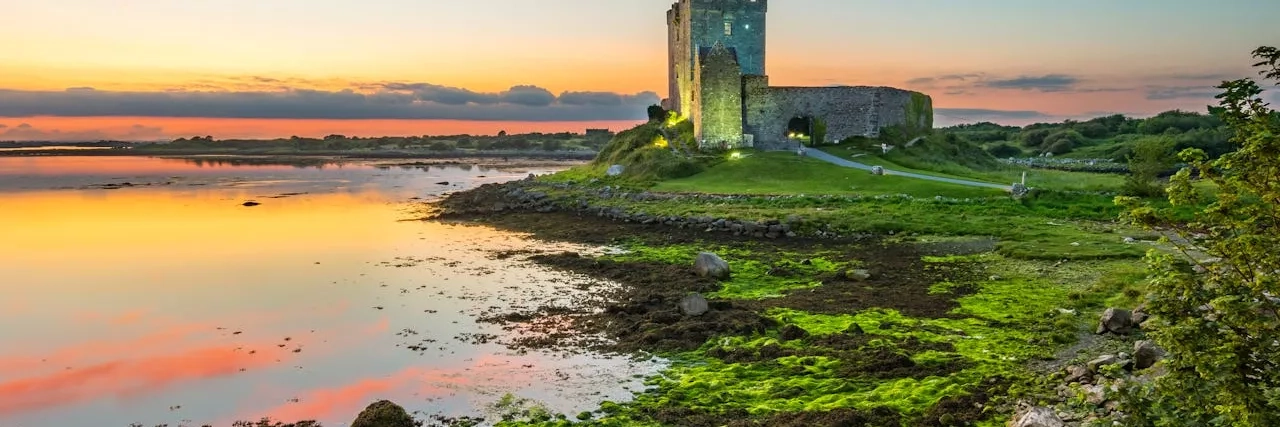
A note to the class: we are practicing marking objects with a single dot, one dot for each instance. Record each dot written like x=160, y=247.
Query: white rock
x=694, y=305
x=711, y=265
x=1037, y=416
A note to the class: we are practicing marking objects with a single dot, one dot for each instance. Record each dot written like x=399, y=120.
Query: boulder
x=384, y=413
x=1094, y=394
x=1036, y=416
x=711, y=265
x=1078, y=374
x=1096, y=365
x=694, y=305
x=1146, y=354
x=614, y=170
x=1139, y=315
x=1115, y=320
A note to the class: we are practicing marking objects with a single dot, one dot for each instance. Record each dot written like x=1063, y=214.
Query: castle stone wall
x=719, y=123
x=673, y=88
x=692, y=24
x=848, y=110
x=914, y=110
x=683, y=51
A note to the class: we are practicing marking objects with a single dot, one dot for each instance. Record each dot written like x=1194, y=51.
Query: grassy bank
x=923, y=304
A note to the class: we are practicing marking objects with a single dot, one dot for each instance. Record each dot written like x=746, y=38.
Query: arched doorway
x=806, y=130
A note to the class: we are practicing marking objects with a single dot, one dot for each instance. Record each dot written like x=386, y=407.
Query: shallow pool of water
x=168, y=301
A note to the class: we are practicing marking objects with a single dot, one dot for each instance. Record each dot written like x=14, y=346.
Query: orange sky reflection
x=166, y=128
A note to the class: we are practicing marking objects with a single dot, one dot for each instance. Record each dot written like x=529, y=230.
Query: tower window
x=728, y=28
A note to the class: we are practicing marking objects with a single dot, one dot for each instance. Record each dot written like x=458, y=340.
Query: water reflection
x=173, y=304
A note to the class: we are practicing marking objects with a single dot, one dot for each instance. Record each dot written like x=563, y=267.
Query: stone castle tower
x=711, y=44
x=717, y=80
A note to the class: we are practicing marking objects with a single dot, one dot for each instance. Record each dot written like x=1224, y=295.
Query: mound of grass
x=649, y=153
x=786, y=173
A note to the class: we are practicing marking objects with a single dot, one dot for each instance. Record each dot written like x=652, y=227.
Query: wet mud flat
x=634, y=308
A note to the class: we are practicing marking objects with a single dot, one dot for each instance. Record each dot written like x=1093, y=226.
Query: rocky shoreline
x=653, y=306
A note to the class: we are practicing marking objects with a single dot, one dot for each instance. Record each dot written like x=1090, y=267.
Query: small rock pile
x=1088, y=392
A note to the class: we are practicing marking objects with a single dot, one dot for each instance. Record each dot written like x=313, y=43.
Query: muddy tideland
x=802, y=328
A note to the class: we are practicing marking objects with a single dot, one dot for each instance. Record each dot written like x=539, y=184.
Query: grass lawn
x=1005, y=174
x=786, y=173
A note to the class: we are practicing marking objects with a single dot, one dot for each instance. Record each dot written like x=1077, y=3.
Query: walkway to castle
x=830, y=158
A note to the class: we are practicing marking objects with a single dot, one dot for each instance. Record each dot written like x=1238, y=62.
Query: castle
x=716, y=70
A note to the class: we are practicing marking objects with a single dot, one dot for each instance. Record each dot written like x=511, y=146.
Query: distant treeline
x=28, y=144
x=565, y=141
x=1110, y=137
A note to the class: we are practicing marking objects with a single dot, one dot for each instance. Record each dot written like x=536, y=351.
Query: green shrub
x=1062, y=142
x=1035, y=138
x=1151, y=157
x=1004, y=150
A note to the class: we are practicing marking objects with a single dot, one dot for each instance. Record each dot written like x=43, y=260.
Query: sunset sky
x=158, y=69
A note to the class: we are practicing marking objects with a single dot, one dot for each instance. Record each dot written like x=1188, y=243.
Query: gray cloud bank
x=27, y=132
x=965, y=84
x=376, y=101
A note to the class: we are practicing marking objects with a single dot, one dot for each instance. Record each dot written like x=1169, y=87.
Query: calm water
x=167, y=301
x=53, y=147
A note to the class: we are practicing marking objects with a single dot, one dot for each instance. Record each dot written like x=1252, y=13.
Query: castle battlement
x=731, y=5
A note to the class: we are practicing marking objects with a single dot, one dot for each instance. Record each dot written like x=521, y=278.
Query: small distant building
x=599, y=133
x=717, y=80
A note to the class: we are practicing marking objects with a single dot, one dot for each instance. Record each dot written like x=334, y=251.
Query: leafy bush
x=1181, y=121
x=1004, y=150
x=1218, y=321
x=1094, y=130
x=1062, y=142
x=1035, y=138
x=1151, y=157
x=657, y=113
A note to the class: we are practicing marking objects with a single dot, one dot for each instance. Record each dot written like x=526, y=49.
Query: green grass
x=786, y=173
x=1048, y=226
x=750, y=278
x=999, y=174
x=1057, y=249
